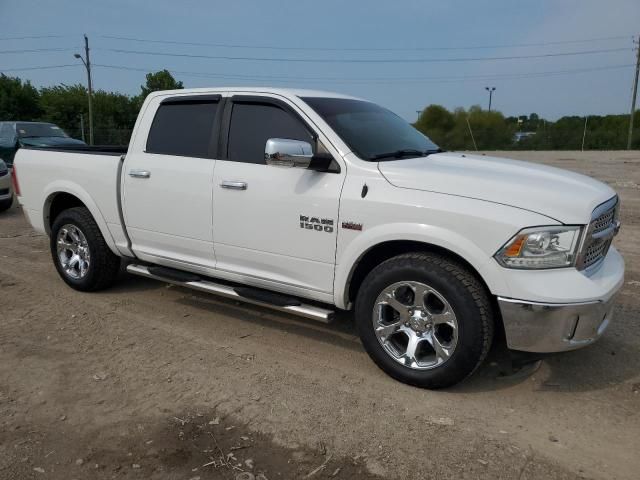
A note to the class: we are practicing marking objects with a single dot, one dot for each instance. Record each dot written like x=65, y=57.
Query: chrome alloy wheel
x=73, y=251
x=415, y=325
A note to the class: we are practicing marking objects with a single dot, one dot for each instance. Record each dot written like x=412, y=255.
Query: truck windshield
x=372, y=132
x=26, y=130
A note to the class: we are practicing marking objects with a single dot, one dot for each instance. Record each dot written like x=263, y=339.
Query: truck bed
x=91, y=174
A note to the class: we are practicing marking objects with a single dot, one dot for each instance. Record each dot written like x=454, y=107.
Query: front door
x=273, y=223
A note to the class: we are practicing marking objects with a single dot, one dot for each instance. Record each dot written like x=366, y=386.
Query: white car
x=308, y=202
x=6, y=195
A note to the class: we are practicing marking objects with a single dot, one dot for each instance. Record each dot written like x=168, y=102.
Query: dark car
x=14, y=135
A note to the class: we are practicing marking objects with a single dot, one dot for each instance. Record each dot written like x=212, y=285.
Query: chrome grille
x=597, y=250
x=599, y=235
x=604, y=221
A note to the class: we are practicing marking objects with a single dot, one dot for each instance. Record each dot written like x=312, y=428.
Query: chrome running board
x=253, y=296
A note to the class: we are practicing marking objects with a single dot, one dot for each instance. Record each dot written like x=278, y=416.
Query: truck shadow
x=607, y=363
x=340, y=332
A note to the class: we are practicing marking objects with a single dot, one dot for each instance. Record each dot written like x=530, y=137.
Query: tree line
x=460, y=129
x=114, y=114
x=480, y=129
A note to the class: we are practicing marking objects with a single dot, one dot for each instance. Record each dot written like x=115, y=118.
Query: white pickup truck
x=308, y=202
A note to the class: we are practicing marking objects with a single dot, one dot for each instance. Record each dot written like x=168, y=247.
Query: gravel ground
x=150, y=381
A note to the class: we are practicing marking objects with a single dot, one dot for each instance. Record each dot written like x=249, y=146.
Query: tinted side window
x=252, y=124
x=184, y=129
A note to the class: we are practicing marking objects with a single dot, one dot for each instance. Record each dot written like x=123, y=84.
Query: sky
x=403, y=54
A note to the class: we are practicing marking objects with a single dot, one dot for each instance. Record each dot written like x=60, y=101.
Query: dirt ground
x=150, y=381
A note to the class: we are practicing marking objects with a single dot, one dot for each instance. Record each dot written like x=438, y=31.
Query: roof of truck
x=286, y=92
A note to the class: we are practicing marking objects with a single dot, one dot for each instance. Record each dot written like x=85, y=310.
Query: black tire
x=6, y=204
x=103, y=265
x=466, y=296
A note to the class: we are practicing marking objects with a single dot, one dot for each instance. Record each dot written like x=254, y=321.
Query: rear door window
x=184, y=129
x=252, y=124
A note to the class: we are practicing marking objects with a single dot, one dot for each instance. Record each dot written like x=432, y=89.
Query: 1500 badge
x=317, y=224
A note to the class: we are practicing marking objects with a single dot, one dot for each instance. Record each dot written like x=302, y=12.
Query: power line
x=361, y=60
x=360, y=49
x=372, y=80
x=33, y=50
x=44, y=67
x=30, y=37
x=356, y=80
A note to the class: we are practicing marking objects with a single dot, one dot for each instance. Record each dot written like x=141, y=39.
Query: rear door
x=167, y=182
x=273, y=224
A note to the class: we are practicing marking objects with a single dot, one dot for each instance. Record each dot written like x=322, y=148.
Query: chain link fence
x=102, y=136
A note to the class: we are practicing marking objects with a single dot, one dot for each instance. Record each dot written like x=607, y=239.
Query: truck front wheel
x=79, y=252
x=424, y=319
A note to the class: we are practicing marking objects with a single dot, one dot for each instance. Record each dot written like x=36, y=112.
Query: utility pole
x=633, y=97
x=87, y=64
x=419, y=112
x=82, y=126
x=490, y=90
x=584, y=132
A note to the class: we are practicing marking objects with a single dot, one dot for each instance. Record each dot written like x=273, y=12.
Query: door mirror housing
x=283, y=152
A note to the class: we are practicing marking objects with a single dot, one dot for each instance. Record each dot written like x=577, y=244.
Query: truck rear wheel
x=424, y=319
x=79, y=252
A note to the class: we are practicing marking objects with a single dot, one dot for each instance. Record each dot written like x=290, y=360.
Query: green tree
x=451, y=130
x=63, y=105
x=160, y=80
x=436, y=122
x=18, y=100
x=114, y=114
x=114, y=117
x=490, y=129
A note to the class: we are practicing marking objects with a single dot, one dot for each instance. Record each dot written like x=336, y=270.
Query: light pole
x=87, y=64
x=490, y=90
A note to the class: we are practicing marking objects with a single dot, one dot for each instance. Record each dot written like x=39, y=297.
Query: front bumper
x=544, y=327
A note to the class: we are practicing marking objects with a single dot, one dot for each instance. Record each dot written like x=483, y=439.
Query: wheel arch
x=62, y=198
x=358, y=257
x=385, y=250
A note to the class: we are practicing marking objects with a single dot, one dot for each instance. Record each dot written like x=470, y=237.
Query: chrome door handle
x=234, y=185
x=139, y=173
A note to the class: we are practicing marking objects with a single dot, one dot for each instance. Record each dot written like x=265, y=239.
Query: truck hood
x=559, y=194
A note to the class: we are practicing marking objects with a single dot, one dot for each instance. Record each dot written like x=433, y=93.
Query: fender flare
x=71, y=188
x=421, y=233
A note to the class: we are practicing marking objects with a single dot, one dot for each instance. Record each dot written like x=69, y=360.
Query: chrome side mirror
x=282, y=152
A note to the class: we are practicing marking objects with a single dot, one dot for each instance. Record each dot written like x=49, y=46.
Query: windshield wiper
x=398, y=154
x=404, y=153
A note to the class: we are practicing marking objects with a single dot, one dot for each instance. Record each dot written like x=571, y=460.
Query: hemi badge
x=352, y=226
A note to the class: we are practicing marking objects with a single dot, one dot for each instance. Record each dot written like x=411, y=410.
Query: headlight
x=541, y=247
